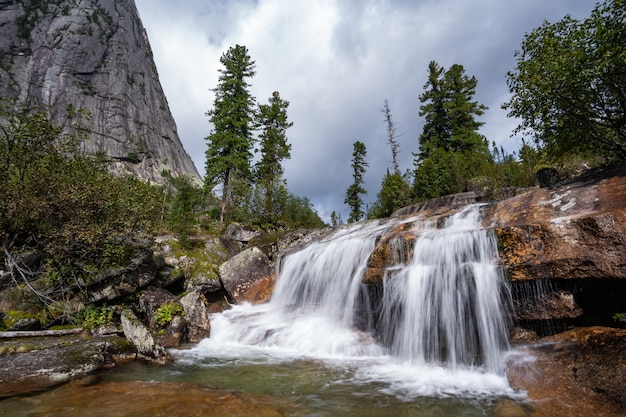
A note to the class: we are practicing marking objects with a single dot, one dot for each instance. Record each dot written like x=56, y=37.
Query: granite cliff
x=94, y=55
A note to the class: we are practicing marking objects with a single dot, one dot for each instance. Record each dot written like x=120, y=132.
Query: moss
x=198, y=261
x=13, y=317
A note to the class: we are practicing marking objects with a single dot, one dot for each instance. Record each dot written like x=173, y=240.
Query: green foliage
x=272, y=118
x=511, y=170
x=166, y=312
x=452, y=152
x=185, y=200
x=299, y=212
x=11, y=318
x=569, y=84
x=395, y=192
x=94, y=317
x=355, y=190
x=335, y=219
x=64, y=204
x=449, y=111
x=230, y=143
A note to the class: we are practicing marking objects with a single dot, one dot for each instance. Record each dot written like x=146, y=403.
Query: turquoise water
x=289, y=387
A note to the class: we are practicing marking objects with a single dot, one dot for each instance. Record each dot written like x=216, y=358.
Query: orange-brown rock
x=574, y=230
x=578, y=373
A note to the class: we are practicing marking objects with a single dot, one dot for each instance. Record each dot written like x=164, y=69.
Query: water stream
x=435, y=346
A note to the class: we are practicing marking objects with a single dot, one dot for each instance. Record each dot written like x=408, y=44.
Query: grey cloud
x=336, y=62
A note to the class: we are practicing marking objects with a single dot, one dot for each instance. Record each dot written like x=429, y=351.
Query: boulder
x=576, y=230
x=174, y=333
x=139, y=335
x=240, y=233
x=116, y=283
x=243, y=272
x=204, y=277
x=197, y=316
x=151, y=300
x=35, y=364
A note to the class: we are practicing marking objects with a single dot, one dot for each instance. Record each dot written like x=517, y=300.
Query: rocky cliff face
x=94, y=55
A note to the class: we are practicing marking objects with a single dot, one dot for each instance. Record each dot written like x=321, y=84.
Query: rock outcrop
x=248, y=276
x=139, y=335
x=563, y=248
x=94, y=55
x=34, y=364
x=575, y=230
x=576, y=373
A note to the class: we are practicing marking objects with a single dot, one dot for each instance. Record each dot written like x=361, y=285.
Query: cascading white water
x=446, y=305
x=314, y=304
x=440, y=329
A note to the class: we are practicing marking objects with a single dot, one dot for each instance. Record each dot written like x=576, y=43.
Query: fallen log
x=39, y=333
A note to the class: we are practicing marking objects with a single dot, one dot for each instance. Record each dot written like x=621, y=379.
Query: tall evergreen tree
x=436, y=129
x=272, y=118
x=355, y=190
x=230, y=144
x=451, y=149
x=462, y=111
x=449, y=111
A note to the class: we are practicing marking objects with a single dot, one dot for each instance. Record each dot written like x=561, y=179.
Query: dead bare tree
x=392, y=135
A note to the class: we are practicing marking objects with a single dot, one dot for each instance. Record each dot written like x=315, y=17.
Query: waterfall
x=444, y=308
x=447, y=305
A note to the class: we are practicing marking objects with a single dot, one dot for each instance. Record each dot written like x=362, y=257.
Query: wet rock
x=260, y=291
x=197, y=316
x=576, y=373
x=139, y=335
x=548, y=306
x=239, y=274
x=31, y=365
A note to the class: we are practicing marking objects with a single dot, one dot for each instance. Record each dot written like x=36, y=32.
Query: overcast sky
x=336, y=61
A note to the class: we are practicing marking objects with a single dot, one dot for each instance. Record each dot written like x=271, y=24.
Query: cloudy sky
x=336, y=61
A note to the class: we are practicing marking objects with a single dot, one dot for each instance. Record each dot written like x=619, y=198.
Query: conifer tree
x=274, y=148
x=452, y=151
x=230, y=144
x=355, y=191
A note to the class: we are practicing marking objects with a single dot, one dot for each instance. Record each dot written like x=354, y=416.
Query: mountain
x=94, y=55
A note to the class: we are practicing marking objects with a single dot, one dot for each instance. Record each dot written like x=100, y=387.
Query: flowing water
x=433, y=347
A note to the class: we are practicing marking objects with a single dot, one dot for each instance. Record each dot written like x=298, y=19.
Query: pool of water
x=245, y=381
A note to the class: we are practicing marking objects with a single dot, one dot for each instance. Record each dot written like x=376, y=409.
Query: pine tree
x=451, y=149
x=449, y=111
x=272, y=118
x=230, y=144
x=436, y=129
x=355, y=191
